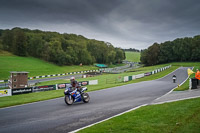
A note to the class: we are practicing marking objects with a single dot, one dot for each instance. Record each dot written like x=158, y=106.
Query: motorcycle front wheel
x=86, y=97
x=69, y=99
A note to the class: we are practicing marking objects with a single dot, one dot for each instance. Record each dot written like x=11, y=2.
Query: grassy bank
x=176, y=117
x=34, y=66
x=132, y=56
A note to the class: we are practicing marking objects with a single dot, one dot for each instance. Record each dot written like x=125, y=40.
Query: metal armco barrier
x=70, y=73
x=139, y=76
x=133, y=77
x=53, y=75
x=126, y=79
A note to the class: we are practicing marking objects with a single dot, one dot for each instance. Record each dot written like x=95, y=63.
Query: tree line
x=61, y=49
x=132, y=50
x=180, y=50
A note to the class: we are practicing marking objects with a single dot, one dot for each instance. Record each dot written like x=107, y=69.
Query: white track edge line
x=175, y=100
x=108, y=118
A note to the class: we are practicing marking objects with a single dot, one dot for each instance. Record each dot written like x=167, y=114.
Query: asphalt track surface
x=55, y=116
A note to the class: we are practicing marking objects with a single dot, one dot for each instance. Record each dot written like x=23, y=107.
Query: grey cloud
x=124, y=23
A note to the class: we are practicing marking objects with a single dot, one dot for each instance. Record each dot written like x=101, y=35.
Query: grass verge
x=35, y=67
x=132, y=56
x=175, y=117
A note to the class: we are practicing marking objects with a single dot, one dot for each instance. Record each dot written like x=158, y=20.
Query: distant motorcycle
x=73, y=95
x=174, y=78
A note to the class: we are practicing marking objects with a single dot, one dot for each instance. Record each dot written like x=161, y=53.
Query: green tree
x=35, y=46
x=20, y=44
x=195, y=49
x=120, y=55
x=166, y=52
x=153, y=53
x=7, y=40
x=144, y=56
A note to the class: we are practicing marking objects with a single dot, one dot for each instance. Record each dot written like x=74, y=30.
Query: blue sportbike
x=73, y=95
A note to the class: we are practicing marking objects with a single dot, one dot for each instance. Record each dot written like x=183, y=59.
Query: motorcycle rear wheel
x=86, y=97
x=68, y=100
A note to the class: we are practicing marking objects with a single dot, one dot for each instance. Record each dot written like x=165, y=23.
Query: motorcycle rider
x=75, y=84
x=174, y=78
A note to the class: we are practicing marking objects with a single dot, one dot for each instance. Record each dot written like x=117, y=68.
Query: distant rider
x=174, y=78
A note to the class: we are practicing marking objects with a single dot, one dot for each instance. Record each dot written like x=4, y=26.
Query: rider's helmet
x=72, y=78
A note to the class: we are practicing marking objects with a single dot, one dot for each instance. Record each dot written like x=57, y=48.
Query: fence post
x=190, y=84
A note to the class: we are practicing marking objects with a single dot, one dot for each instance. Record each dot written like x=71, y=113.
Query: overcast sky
x=124, y=23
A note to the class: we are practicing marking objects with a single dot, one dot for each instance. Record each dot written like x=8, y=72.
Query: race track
x=55, y=116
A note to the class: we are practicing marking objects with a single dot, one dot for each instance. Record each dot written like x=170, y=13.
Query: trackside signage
x=133, y=77
x=126, y=79
x=83, y=83
x=139, y=76
x=10, y=92
x=44, y=88
x=93, y=82
x=63, y=86
x=5, y=92
x=147, y=74
x=21, y=91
